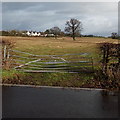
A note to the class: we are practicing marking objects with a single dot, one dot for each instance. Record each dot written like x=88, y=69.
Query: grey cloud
x=97, y=18
x=14, y=6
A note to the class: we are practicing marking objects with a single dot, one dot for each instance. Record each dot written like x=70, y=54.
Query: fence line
x=43, y=71
x=49, y=55
x=56, y=65
x=63, y=62
x=67, y=63
x=21, y=57
x=27, y=63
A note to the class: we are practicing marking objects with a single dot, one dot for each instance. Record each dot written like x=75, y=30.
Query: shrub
x=109, y=74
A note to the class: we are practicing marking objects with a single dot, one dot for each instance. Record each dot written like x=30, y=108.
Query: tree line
x=73, y=28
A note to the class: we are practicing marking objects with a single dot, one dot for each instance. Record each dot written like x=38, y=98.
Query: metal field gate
x=66, y=63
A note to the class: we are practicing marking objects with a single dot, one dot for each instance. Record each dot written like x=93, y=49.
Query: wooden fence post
x=4, y=56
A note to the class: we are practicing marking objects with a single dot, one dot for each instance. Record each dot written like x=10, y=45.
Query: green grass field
x=59, y=46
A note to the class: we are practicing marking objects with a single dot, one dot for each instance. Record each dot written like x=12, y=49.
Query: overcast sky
x=97, y=18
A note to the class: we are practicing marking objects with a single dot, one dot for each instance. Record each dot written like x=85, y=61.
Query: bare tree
x=114, y=35
x=73, y=27
x=56, y=31
x=47, y=31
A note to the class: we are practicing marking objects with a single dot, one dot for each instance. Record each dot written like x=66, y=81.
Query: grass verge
x=50, y=79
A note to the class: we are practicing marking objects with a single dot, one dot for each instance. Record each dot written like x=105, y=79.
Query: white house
x=49, y=35
x=28, y=33
x=33, y=33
